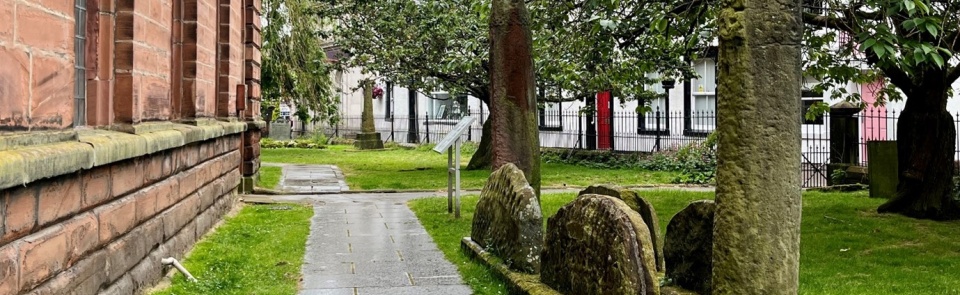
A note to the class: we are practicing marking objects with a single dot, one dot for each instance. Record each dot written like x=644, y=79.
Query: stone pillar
x=368, y=138
x=250, y=149
x=883, y=168
x=844, y=139
x=757, y=223
x=413, y=135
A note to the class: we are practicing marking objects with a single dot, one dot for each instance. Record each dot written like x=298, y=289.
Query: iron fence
x=632, y=132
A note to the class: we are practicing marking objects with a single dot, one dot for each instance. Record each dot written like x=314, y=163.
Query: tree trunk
x=513, y=103
x=483, y=158
x=925, y=153
x=756, y=248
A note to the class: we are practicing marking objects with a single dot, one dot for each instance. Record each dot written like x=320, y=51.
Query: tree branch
x=823, y=21
x=953, y=75
x=896, y=75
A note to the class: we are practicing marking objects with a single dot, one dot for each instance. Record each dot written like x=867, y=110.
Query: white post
x=450, y=172
x=457, y=147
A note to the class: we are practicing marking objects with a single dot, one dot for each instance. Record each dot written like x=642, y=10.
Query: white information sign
x=451, y=143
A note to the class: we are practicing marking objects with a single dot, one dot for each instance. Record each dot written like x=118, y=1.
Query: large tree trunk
x=483, y=158
x=925, y=150
x=756, y=232
x=513, y=103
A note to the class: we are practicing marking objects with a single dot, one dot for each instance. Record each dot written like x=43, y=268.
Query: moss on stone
x=90, y=148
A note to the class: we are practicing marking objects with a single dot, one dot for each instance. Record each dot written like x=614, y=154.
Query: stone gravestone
x=598, y=245
x=280, y=130
x=688, y=247
x=508, y=221
x=883, y=168
x=639, y=204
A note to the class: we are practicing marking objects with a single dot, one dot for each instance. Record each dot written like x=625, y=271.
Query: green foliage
x=594, y=159
x=259, y=251
x=838, y=176
x=904, y=43
x=591, y=46
x=425, y=45
x=698, y=161
x=295, y=67
x=316, y=142
x=581, y=46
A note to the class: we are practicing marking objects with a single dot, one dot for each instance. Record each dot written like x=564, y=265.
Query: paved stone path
x=312, y=179
x=362, y=244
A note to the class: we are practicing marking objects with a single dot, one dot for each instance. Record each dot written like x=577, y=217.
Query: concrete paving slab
x=339, y=291
x=416, y=290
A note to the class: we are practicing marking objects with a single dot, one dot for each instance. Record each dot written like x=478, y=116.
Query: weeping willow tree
x=295, y=67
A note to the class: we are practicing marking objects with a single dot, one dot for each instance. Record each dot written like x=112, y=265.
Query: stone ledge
x=517, y=283
x=12, y=140
x=256, y=125
x=91, y=148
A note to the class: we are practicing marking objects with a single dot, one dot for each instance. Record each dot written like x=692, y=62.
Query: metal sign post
x=451, y=144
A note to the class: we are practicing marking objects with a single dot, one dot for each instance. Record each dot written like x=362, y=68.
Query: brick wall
x=161, y=156
x=105, y=229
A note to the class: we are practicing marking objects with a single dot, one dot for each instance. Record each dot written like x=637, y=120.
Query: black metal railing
x=631, y=132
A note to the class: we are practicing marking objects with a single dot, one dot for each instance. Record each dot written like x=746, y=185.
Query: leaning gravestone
x=598, y=245
x=508, y=221
x=639, y=204
x=689, y=247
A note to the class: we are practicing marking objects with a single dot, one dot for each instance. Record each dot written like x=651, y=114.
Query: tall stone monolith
x=757, y=223
x=368, y=138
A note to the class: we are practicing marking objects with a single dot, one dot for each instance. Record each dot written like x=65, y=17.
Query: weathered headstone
x=883, y=167
x=280, y=130
x=688, y=247
x=508, y=221
x=598, y=245
x=639, y=204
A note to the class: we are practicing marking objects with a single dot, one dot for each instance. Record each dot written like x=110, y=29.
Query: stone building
x=127, y=128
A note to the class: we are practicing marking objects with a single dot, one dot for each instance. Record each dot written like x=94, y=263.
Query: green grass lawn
x=259, y=251
x=420, y=169
x=846, y=248
x=269, y=177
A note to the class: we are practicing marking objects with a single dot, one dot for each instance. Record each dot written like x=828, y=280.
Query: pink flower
x=377, y=92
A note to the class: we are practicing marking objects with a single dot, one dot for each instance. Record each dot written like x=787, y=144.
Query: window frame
x=550, y=125
x=452, y=98
x=696, y=124
x=80, y=58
